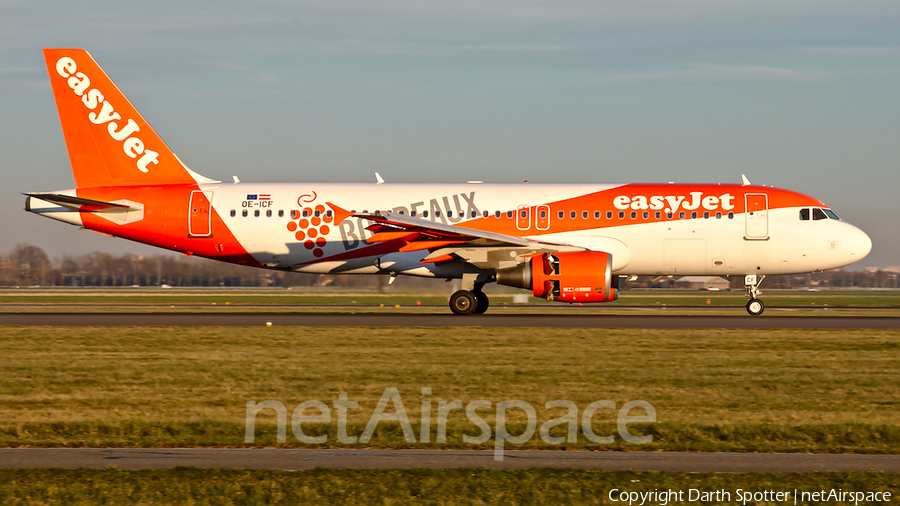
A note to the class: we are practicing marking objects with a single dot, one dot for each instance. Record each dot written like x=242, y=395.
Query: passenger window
x=268, y=213
x=608, y=215
x=543, y=214
x=509, y=214
x=294, y=214
x=646, y=215
x=693, y=214
x=233, y=213
x=621, y=214
x=730, y=215
x=658, y=214
x=523, y=214
x=596, y=215
x=412, y=213
x=329, y=213
x=437, y=214
x=256, y=213
x=804, y=214
x=830, y=214
x=584, y=215
x=706, y=214
x=496, y=214
x=818, y=214
x=475, y=214
x=485, y=214
x=670, y=215
x=281, y=213
x=633, y=214
x=572, y=214
x=718, y=215
x=306, y=213
x=681, y=215
x=561, y=214
x=244, y=213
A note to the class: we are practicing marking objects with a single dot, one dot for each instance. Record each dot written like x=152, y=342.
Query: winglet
x=744, y=180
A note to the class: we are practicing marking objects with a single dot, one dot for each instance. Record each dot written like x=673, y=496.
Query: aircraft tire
x=463, y=302
x=755, y=307
x=483, y=303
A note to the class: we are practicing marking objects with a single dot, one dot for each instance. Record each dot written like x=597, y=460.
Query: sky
x=800, y=95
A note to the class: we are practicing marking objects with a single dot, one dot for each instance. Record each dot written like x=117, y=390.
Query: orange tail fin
x=109, y=142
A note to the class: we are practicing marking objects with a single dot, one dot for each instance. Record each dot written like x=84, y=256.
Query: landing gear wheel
x=755, y=307
x=463, y=302
x=483, y=303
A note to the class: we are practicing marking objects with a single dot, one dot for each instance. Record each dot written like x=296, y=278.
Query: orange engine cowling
x=580, y=276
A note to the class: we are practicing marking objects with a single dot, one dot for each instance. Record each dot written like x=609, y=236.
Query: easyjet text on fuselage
x=674, y=203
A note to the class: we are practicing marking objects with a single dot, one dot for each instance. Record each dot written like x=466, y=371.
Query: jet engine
x=580, y=276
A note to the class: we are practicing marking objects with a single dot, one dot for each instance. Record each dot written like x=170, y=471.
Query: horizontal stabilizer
x=77, y=203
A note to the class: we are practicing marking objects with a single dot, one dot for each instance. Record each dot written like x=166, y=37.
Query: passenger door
x=756, y=216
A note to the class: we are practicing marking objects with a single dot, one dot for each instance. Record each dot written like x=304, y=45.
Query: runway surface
x=161, y=458
x=333, y=319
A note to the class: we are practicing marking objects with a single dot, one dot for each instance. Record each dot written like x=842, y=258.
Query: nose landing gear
x=754, y=306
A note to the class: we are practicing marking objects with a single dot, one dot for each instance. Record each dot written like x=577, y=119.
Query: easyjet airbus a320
x=563, y=242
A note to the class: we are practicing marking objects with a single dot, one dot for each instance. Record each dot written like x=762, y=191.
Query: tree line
x=29, y=265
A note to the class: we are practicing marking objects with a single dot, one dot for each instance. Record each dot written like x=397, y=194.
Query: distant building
x=703, y=283
x=663, y=282
x=892, y=269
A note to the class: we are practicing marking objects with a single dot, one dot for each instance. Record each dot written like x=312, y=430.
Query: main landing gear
x=465, y=302
x=754, y=306
x=470, y=299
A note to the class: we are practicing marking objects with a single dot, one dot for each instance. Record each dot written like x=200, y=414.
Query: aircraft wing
x=447, y=242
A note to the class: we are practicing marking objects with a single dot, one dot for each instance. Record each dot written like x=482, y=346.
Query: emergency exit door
x=199, y=214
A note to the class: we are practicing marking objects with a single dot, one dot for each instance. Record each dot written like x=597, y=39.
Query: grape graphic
x=310, y=224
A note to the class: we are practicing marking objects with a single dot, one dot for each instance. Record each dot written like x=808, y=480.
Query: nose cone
x=859, y=244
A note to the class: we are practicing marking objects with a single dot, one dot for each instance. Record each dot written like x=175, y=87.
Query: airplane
x=563, y=242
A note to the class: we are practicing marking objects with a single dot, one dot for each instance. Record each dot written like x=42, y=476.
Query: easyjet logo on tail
x=92, y=98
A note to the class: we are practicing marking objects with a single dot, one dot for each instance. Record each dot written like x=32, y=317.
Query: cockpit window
x=804, y=214
x=830, y=214
x=819, y=214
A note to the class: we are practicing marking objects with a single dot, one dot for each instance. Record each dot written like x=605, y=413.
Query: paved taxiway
x=163, y=458
x=335, y=319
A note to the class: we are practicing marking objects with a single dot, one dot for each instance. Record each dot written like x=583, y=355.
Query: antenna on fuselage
x=378, y=178
x=744, y=180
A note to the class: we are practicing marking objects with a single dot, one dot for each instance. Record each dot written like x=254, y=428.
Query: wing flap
x=425, y=230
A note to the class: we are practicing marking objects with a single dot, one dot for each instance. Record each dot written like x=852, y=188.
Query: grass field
x=819, y=391
x=420, y=486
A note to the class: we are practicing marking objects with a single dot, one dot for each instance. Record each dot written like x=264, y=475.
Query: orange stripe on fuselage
x=638, y=195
